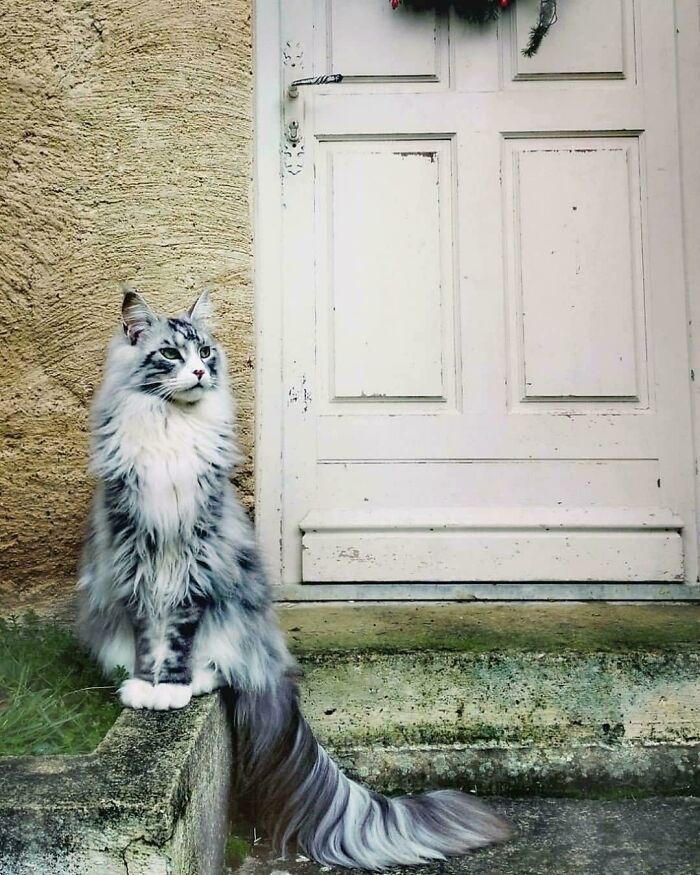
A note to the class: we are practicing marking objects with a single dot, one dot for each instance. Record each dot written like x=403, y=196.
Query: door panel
x=597, y=42
x=387, y=223
x=578, y=265
x=531, y=544
x=484, y=348
x=410, y=51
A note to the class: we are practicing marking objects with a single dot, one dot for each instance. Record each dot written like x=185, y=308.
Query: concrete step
x=563, y=837
x=547, y=699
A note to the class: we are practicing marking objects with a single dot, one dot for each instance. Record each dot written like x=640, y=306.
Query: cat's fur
x=174, y=591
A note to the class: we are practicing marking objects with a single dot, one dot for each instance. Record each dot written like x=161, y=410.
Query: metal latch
x=327, y=79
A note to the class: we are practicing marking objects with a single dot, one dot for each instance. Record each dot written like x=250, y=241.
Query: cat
x=173, y=590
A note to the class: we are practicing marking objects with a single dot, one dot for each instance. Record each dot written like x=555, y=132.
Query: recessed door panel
x=595, y=40
x=578, y=267
x=387, y=290
x=370, y=41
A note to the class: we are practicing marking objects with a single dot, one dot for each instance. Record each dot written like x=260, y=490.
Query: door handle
x=293, y=147
x=327, y=79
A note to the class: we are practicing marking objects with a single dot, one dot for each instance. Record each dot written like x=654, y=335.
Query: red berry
x=504, y=4
x=395, y=3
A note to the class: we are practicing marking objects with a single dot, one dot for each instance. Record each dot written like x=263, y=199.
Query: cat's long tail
x=296, y=791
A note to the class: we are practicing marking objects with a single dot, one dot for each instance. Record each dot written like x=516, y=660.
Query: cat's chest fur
x=168, y=456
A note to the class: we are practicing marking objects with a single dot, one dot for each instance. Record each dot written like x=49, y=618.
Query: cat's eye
x=204, y=352
x=170, y=353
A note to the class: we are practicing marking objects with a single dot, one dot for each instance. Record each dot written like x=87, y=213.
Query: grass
x=53, y=699
x=237, y=849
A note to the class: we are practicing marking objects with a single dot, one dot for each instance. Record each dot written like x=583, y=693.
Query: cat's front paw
x=136, y=693
x=205, y=680
x=171, y=696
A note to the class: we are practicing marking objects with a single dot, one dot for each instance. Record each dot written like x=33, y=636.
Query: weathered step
x=506, y=699
x=564, y=837
x=151, y=799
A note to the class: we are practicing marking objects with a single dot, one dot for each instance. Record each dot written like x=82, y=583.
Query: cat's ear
x=202, y=310
x=137, y=316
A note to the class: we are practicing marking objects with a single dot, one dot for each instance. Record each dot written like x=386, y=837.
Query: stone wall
x=125, y=154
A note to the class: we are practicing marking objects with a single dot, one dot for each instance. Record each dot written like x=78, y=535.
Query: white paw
x=204, y=681
x=167, y=696
x=135, y=693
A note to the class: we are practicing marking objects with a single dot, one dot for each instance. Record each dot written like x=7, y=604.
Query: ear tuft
x=202, y=310
x=137, y=316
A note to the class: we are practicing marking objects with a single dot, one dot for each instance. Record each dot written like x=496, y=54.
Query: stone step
x=514, y=699
x=562, y=837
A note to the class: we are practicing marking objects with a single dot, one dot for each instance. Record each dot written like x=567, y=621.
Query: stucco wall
x=125, y=153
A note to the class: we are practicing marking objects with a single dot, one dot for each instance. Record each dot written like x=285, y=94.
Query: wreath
x=481, y=11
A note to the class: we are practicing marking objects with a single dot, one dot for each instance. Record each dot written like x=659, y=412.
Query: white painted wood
x=268, y=281
x=482, y=544
x=570, y=50
x=373, y=351
x=666, y=276
x=369, y=40
x=543, y=431
x=463, y=555
x=576, y=207
x=688, y=69
x=502, y=591
x=385, y=284
x=505, y=519
x=487, y=483
x=593, y=432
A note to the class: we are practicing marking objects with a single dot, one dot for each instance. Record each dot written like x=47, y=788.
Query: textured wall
x=125, y=153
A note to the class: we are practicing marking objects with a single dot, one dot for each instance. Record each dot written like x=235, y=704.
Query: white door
x=479, y=308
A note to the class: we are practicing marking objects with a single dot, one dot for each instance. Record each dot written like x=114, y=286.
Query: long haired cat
x=173, y=590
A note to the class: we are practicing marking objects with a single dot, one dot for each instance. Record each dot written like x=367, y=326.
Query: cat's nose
x=198, y=374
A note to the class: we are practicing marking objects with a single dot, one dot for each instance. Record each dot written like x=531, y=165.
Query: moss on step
x=483, y=627
x=502, y=699
x=588, y=771
x=499, y=675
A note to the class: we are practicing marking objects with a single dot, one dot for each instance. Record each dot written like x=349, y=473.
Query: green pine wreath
x=481, y=11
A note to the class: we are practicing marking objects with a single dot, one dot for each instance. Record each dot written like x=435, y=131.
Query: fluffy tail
x=292, y=787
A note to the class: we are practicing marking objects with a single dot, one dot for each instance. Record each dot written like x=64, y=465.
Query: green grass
x=237, y=849
x=53, y=699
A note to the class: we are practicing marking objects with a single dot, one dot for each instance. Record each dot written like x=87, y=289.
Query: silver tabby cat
x=173, y=590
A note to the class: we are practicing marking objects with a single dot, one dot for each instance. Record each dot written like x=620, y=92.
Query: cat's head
x=173, y=358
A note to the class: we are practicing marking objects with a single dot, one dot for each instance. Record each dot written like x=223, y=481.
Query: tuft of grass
x=53, y=699
x=237, y=849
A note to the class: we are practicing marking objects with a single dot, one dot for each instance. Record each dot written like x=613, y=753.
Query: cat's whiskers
x=158, y=389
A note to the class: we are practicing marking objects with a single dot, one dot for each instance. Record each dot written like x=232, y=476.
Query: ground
x=564, y=837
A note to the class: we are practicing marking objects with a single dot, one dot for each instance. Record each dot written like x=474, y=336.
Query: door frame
x=268, y=240
x=267, y=277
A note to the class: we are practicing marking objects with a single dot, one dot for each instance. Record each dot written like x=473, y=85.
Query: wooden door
x=482, y=319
